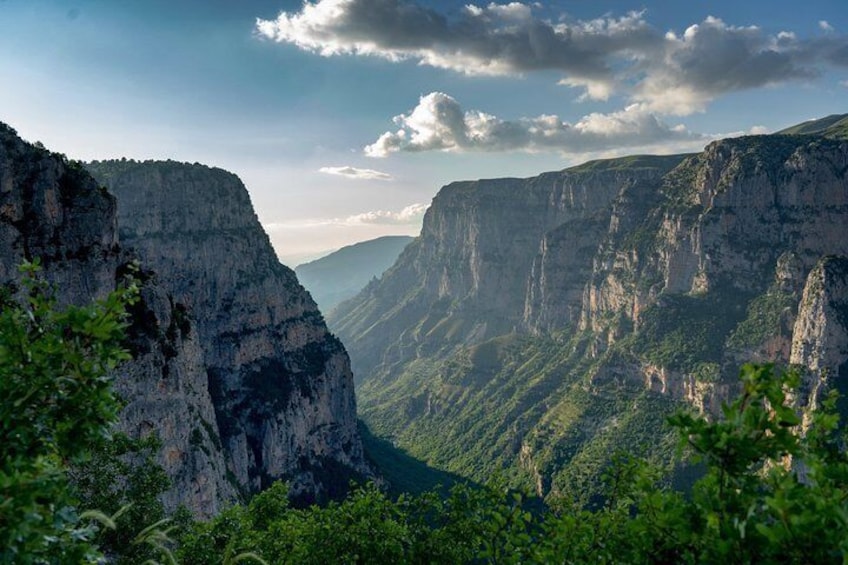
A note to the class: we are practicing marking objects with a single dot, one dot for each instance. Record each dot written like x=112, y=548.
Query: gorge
x=534, y=328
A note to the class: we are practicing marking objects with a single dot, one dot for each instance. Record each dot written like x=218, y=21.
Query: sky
x=345, y=117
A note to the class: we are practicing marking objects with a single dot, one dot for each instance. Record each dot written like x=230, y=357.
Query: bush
x=769, y=495
x=56, y=402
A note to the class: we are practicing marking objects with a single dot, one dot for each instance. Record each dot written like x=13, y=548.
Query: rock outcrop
x=53, y=210
x=725, y=217
x=280, y=383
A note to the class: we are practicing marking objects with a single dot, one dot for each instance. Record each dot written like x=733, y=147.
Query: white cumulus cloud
x=356, y=173
x=438, y=123
x=409, y=216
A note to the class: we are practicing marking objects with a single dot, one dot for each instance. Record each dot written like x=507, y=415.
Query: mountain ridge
x=630, y=293
x=835, y=125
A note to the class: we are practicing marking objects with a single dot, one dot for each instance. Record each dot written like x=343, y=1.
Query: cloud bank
x=671, y=72
x=355, y=173
x=408, y=216
x=438, y=123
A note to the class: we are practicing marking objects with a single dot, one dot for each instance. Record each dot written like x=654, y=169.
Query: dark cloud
x=496, y=39
x=712, y=58
x=666, y=72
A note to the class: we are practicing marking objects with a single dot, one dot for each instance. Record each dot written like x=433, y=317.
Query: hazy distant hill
x=342, y=274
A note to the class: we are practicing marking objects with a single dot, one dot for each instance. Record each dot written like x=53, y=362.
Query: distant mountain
x=835, y=126
x=343, y=273
x=539, y=325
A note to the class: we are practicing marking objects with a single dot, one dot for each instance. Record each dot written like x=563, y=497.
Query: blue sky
x=344, y=117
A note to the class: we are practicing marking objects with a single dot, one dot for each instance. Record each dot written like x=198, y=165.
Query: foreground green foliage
x=121, y=479
x=57, y=403
x=768, y=495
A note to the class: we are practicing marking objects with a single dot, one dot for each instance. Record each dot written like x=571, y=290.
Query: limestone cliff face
x=166, y=390
x=493, y=256
x=53, y=210
x=232, y=366
x=280, y=383
x=741, y=225
x=725, y=217
x=820, y=337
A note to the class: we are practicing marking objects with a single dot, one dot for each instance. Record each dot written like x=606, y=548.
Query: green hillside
x=631, y=163
x=835, y=126
x=521, y=407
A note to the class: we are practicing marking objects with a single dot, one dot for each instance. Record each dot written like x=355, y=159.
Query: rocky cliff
x=280, y=383
x=232, y=365
x=465, y=279
x=724, y=217
x=820, y=336
x=542, y=323
x=52, y=209
x=166, y=390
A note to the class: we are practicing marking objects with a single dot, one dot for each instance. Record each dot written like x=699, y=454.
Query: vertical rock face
x=820, y=337
x=280, y=383
x=53, y=210
x=493, y=256
x=724, y=217
x=165, y=387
